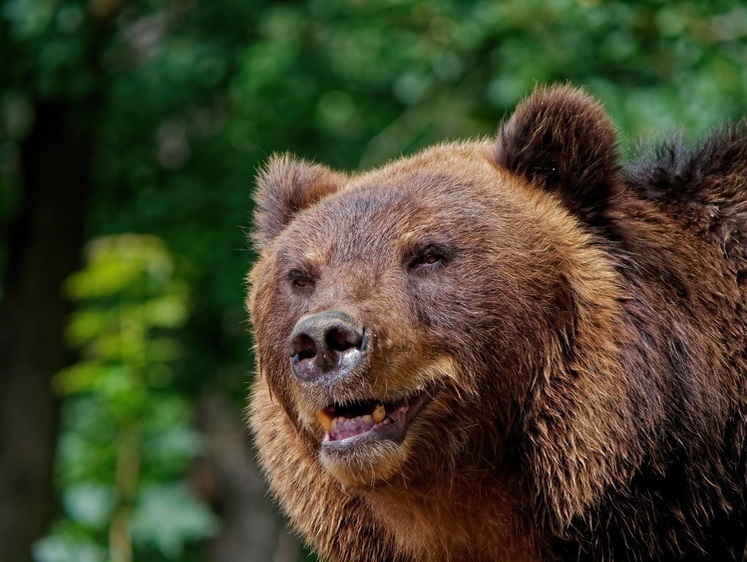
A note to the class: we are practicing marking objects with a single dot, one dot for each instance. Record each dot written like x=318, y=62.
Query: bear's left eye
x=428, y=256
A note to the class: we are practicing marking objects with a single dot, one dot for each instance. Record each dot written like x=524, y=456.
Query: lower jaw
x=372, y=457
x=363, y=461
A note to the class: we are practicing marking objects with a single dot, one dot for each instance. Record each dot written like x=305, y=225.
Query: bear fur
x=573, y=333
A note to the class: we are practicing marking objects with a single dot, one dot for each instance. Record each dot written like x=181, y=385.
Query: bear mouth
x=367, y=420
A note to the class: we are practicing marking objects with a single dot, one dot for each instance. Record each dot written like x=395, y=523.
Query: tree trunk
x=44, y=240
x=228, y=478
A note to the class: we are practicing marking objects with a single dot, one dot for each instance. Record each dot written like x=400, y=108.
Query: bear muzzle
x=327, y=346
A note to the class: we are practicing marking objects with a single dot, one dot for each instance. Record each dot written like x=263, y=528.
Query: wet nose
x=329, y=342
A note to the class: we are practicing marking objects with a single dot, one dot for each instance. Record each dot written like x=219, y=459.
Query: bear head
x=444, y=312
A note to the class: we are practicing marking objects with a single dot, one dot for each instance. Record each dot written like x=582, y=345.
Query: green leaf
x=167, y=517
x=62, y=548
x=77, y=378
x=89, y=503
x=86, y=325
x=171, y=448
x=168, y=311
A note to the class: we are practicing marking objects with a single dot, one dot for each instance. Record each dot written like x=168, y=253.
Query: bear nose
x=330, y=342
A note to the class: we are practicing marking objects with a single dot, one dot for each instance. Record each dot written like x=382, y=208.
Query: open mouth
x=370, y=419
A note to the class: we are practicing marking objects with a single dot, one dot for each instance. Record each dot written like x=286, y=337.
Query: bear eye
x=428, y=256
x=301, y=280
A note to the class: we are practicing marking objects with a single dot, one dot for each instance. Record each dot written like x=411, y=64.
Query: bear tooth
x=366, y=419
x=379, y=413
x=324, y=418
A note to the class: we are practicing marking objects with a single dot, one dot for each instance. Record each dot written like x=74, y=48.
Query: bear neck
x=473, y=515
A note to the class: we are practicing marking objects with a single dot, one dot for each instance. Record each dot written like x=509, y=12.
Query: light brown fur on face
x=573, y=332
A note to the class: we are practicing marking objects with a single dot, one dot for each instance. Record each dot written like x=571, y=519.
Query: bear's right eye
x=301, y=280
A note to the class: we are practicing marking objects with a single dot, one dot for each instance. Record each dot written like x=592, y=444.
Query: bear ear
x=562, y=140
x=285, y=187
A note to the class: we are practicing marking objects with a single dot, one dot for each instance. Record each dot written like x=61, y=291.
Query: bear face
x=455, y=256
x=476, y=352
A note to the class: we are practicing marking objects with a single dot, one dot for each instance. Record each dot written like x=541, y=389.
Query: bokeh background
x=130, y=134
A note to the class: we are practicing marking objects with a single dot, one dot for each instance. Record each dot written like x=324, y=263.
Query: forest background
x=130, y=134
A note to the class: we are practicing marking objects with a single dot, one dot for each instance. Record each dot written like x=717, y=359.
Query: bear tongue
x=342, y=427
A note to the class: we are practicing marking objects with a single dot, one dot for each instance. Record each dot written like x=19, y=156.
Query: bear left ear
x=562, y=140
x=285, y=187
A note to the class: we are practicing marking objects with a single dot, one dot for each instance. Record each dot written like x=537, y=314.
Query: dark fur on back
x=707, y=185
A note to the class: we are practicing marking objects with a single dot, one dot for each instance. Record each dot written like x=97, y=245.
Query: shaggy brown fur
x=577, y=332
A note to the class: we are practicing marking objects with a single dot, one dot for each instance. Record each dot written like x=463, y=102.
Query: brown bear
x=508, y=350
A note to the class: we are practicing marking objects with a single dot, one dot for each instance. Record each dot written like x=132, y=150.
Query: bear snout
x=326, y=346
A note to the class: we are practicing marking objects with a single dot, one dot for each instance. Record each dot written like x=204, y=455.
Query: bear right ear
x=285, y=187
x=562, y=140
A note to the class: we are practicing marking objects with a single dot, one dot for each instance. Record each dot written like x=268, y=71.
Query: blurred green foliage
x=126, y=438
x=188, y=97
